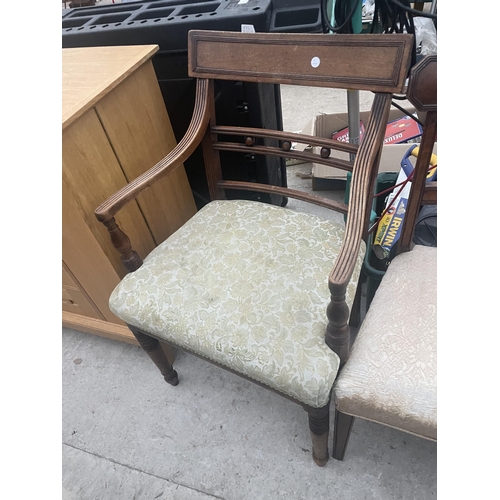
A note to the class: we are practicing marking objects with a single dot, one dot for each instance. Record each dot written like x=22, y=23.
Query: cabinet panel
x=74, y=298
x=91, y=173
x=86, y=259
x=97, y=161
x=137, y=125
x=88, y=73
x=67, y=280
x=98, y=327
x=76, y=302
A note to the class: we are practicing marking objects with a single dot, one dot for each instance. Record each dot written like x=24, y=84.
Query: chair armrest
x=167, y=165
x=364, y=172
x=361, y=196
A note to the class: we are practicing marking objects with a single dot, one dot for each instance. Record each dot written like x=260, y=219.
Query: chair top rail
x=378, y=63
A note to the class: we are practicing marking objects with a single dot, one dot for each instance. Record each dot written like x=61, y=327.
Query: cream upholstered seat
x=391, y=374
x=244, y=284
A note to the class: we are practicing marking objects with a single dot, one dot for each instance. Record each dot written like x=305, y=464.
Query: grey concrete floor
x=126, y=434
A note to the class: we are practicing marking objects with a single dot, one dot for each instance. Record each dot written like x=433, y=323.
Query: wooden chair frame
x=371, y=62
x=422, y=93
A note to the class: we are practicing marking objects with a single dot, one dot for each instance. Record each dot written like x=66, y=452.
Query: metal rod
x=353, y=118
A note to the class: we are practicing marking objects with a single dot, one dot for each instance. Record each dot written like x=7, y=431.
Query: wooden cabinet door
x=137, y=125
x=74, y=298
x=92, y=173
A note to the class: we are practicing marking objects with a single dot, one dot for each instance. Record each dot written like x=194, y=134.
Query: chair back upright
x=422, y=93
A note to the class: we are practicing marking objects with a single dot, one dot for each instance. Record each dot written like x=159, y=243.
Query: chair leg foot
x=320, y=449
x=319, y=424
x=342, y=431
x=154, y=350
x=172, y=378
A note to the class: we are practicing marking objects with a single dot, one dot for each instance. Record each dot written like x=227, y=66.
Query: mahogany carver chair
x=260, y=290
x=391, y=374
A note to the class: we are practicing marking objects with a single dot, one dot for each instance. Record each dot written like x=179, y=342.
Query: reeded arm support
x=106, y=211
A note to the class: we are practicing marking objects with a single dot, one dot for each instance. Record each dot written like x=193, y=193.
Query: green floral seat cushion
x=244, y=284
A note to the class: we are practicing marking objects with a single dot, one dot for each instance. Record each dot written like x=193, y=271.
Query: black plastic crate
x=166, y=23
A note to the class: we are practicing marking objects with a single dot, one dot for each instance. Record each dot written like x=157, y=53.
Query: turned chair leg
x=341, y=432
x=319, y=424
x=155, y=351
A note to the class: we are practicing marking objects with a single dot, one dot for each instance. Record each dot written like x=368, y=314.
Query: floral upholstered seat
x=245, y=284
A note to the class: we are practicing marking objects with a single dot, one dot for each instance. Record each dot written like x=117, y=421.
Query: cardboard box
x=402, y=130
x=399, y=131
x=343, y=135
x=325, y=125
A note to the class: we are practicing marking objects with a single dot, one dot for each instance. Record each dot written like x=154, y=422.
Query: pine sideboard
x=114, y=127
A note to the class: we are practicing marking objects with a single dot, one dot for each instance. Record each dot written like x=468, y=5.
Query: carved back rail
x=374, y=62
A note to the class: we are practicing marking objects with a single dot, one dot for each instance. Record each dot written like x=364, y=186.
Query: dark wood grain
x=365, y=165
x=422, y=93
x=292, y=193
x=121, y=242
x=418, y=182
x=430, y=194
x=211, y=156
x=288, y=137
x=306, y=156
x=341, y=433
x=378, y=63
x=319, y=425
x=154, y=350
x=422, y=84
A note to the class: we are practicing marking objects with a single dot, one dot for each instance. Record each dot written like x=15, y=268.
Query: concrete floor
x=129, y=435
